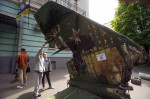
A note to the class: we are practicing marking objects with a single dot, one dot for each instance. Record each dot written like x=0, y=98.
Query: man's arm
x=28, y=59
x=43, y=46
x=38, y=53
x=49, y=65
x=17, y=59
x=41, y=49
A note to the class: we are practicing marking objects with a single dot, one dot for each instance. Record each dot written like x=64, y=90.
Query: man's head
x=45, y=55
x=23, y=50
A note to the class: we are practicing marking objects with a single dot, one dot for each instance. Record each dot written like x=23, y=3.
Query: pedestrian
x=23, y=61
x=38, y=70
x=48, y=68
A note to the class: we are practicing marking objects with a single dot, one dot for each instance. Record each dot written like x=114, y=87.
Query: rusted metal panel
x=101, y=56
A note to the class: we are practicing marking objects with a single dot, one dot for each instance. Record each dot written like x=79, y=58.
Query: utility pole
x=20, y=27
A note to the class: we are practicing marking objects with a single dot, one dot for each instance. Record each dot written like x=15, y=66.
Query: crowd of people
x=42, y=68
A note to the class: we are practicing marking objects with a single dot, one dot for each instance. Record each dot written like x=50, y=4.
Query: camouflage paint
x=88, y=41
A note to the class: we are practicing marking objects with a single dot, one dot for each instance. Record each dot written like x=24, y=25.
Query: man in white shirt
x=38, y=70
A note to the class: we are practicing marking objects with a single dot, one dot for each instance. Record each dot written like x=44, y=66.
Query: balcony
x=36, y=4
x=62, y=2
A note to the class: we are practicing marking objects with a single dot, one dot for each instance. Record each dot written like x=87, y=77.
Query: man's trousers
x=37, y=77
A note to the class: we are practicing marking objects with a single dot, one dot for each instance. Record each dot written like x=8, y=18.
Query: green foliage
x=133, y=20
x=145, y=37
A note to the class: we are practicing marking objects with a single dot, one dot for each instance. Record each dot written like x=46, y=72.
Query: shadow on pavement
x=29, y=95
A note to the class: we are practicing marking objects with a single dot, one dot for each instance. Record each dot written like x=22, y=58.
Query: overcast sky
x=102, y=11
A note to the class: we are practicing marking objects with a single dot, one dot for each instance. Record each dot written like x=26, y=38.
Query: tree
x=133, y=20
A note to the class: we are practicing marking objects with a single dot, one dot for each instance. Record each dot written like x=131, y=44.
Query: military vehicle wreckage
x=102, y=58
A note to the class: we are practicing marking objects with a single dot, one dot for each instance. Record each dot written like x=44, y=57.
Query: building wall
x=8, y=34
x=8, y=37
x=32, y=40
x=84, y=5
x=108, y=25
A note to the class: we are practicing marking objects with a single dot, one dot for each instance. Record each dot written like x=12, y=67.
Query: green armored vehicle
x=102, y=58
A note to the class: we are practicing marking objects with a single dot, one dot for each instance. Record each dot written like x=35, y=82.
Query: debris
x=136, y=81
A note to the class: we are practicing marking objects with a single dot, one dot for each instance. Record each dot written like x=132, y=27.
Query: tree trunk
x=146, y=47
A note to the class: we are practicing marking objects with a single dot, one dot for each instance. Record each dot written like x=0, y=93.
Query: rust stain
x=111, y=67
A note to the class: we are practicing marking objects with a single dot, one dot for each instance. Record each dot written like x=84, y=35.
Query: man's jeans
x=22, y=75
x=48, y=79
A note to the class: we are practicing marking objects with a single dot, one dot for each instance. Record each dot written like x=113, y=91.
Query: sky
x=102, y=11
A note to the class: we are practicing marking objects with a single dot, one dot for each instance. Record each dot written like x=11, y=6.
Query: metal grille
x=64, y=3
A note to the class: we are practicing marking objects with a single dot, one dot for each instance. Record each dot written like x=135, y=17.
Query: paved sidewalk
x=143, y=91
x=59, y=80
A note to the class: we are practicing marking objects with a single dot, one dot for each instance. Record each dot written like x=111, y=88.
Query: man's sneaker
x=37, y=95
x=25, y=84
x=51, y=87
x=19, y=87
x=43, y=88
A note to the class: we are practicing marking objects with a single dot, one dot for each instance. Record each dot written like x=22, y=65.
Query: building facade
x=23, y=32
